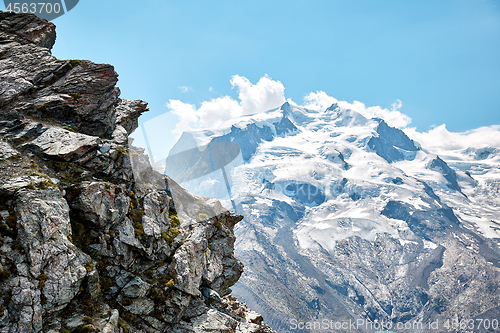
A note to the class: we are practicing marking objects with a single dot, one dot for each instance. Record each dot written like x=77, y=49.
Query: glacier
x=347, y=218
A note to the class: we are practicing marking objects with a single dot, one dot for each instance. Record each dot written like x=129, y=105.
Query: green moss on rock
x=174, y=219
x=86, y=328
x=124, y=326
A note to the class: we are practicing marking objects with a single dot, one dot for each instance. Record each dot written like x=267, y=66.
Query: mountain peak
x=286, y=108
x=347, y=206
x=392, y=144
x=333, y=107
x=437, y=164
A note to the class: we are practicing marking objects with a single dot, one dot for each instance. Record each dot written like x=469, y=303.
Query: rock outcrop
x=92, y=238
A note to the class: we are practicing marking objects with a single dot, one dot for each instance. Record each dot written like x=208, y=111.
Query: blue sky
x=440, y=58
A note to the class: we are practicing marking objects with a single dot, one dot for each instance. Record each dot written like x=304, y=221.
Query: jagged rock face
x=449, y=174
x=92, y=239
x=28, y=27
x=392, y=144
x=79, y=94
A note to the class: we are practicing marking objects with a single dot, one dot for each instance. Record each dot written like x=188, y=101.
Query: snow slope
x=319, y=187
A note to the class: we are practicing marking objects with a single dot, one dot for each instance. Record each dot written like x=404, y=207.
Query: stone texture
x=127, y=114
x=92, y=238
x=6, y=151
x=29, y=27
x=226, y=316
x=103, y=203
x=58, y=142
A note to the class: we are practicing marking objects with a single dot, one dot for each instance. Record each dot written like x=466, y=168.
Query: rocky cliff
x=92, y=239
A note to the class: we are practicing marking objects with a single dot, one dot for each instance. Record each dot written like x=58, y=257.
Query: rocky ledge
x=92, y=238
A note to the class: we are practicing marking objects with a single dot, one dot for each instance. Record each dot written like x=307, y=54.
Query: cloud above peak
x=262, y=96
x=320, y=101
x=266, y=94
x=439, y=140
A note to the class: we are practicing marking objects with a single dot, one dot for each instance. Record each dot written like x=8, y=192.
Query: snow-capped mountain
x=347, y=219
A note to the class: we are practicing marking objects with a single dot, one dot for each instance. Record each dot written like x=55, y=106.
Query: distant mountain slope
x=347, y=218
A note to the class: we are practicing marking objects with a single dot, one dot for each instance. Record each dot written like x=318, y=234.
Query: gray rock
x=103, y=203
x=29, y=131
x=58, y=142
x=93, y=286
x=141, y=306
x=211, y=294
x=157, y=205
x=11, y=186
x=217, y=321
x=127, y=114
x=29, y=27
x=88, y=90
x=6, y=151
x=126, y=234
x=24, y=63
x=111, y=325
x=136, y=288
x=88, y=227
x=25, y=305
x=392, y=144
x=44, y=227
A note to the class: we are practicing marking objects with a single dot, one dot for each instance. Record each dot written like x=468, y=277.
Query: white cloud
x=439, y=139
x=266, y=94
x=186, y=114
x=396, y=105
x=185, y=89
x=321, y=101
x=392, y=117
x=318, y=101
x=212, y=113
x=262, y=96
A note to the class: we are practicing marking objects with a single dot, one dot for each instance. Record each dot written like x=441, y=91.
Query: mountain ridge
x=397, y=228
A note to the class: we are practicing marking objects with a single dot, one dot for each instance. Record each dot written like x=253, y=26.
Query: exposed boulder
x=78, y=93
x=58, y=142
